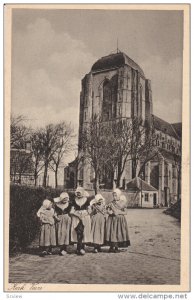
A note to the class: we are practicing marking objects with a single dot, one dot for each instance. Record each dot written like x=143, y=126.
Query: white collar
x=62, y=206
x=80, y=201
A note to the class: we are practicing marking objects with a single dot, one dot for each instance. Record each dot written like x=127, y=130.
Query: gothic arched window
x=109, y=98
x=106, y=106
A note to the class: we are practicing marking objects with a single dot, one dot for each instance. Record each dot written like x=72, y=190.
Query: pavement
x=153, y=257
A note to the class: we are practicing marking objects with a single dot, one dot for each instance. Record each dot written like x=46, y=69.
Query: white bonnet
x=123, y=200
x=62, y=196
x=80, y=190
x=100, y=198
x=97, y=198
x=46, y=203
x=117, y=192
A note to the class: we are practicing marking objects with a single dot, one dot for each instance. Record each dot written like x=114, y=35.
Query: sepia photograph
x=96, y=142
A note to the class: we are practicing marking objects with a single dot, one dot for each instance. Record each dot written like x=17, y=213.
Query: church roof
x=178, y=128
x=115, y=60
x=137, y=184
x=164, y=127
x=169, y=156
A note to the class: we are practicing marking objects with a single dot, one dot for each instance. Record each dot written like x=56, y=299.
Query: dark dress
x=64, y=225
x=81, y=229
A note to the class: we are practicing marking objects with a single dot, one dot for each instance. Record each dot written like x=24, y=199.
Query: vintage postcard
x=97, y=161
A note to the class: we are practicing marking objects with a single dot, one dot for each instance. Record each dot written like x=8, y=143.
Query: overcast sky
x=54, y=49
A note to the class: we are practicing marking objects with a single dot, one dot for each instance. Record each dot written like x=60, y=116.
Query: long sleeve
x=74, y=212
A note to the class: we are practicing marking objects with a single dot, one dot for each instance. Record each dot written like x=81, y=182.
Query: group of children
x=83, y=222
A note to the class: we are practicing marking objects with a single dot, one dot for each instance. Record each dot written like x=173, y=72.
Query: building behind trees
x=116, y=88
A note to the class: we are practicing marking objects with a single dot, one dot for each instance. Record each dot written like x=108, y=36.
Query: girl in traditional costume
x=116, y=228
x=63, y=226
x=98, y=222
x=81, y=221
x=47, y=218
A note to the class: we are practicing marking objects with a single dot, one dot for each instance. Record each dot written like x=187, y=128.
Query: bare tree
x=144, y=147
x=96, y=147
x=49, y=141
x=64, y=146
x=108, y=146
x=19, y=132
x=37, y=150
x=21, y=162
x=121, y=141
x=131, y=140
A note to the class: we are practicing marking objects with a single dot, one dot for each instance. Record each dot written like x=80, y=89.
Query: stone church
x=116, y=87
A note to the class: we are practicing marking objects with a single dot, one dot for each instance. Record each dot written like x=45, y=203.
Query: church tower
x=116, y=87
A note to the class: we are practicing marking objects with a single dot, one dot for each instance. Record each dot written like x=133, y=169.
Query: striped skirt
x=117, y=231
x=47, y=235
x=63, y=228
x=98, y=229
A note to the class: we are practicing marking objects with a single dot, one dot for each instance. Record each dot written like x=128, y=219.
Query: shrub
x=174, y=210
x=24, y=204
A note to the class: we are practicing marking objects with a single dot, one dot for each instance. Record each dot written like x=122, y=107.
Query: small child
x=98, y=222
x=62, y=210
x=116, y=230
x=47, y=217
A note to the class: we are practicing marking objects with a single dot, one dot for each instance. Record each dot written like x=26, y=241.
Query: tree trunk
x=118, y=179
x=35, y=176
x=134, y=168
x=35, y=180
x=120, y=172
x=56, y=178
x=45, y=174
x=20, y=178
x=112, y=180
x=35, y=173
x=96, y=183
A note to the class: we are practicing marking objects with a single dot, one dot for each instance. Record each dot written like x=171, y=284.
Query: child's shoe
x=117, y=250
x=111, y=250
x=43, y=253
x=63, y=253
x=82, y=252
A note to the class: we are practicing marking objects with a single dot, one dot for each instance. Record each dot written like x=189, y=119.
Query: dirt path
x=153, y=257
